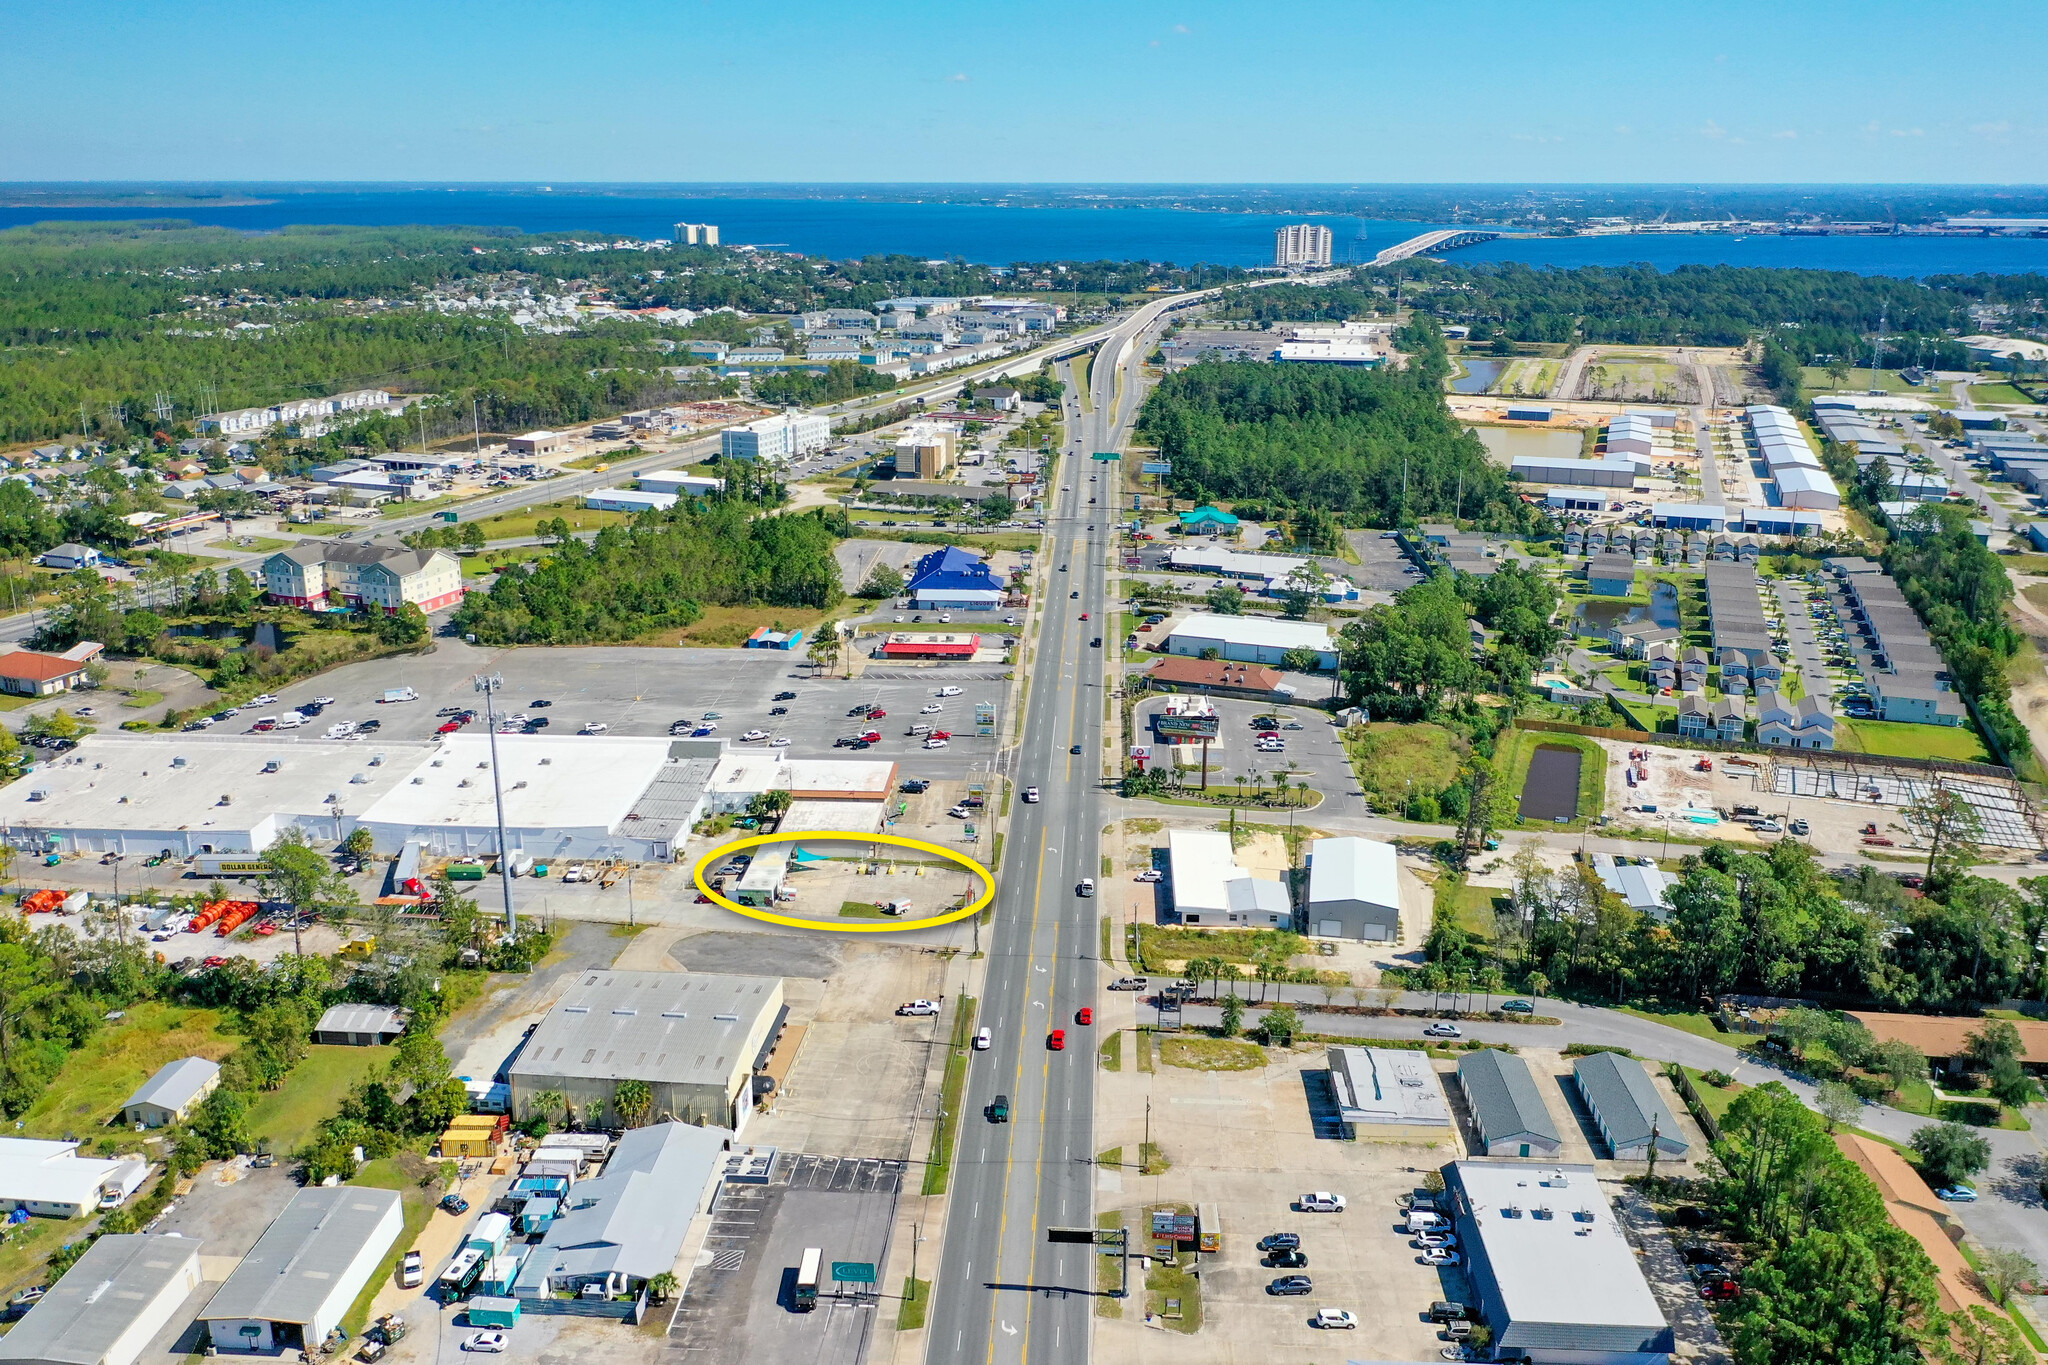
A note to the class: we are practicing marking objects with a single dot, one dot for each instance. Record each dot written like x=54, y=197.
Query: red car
x=448, y=727
x=1084, y=1015
x=1721, y=1289
x=1056, y=1041
x=265, y=930
x=940, y=734
x=215, y=962
x=1084, y=616
x=872, y=736
x=877, y=713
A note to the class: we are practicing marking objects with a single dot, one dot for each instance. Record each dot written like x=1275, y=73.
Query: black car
x=367, y=726
x=311, y=708
x=778, y=710
x=1095, y=643
x=783, y=696
x=859, y=710
x=1280, y=1241
x=1448, y=1310
x=1075, y=750
x=540, y=703
x=914, y=785
x=1292, y=1284
x=1697, y=1254
x=1287, y=1259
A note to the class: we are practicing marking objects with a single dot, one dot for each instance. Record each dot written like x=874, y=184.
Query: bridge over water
x=1443, y=239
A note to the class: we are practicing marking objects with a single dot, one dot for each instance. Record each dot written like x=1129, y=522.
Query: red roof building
x=919, y=646
x=26, y=673
x=1222, y=677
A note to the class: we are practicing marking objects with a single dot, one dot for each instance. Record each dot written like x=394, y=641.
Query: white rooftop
x=1203, y=865
x=1571, y=1268
x=1388, y=1085
x=1216, y=559
x=43, y=1171
x=1257, y=630
x=138, y=782
x=1353, y=869
x=565, y=782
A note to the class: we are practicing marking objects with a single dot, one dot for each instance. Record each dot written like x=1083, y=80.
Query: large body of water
x=991, y=234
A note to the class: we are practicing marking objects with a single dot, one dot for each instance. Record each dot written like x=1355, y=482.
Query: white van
x=290, y=720
x=1422, y=1221
x=1086, y=888
x=982, y=1040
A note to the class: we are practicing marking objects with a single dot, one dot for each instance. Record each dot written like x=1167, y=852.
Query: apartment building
x=1907, y=677
x=382, y=574
x=309, y=415
x=925, y=450
x=779, y=438
x=1301, y=244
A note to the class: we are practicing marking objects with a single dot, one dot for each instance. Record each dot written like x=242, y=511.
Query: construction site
x=1845, y=801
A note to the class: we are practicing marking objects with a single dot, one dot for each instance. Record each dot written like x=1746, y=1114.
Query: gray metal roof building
x=692, y=1036
x=109, y=1305
x=360, y=1025
x=305, y=1270
x=1626, y=1107
x=1506, y=1106
x=170, y=1094
x=626, y=1226
x=1556, y=1281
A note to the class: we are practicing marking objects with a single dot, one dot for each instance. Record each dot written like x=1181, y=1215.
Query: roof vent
x=377, y=760
x=727, y=1018
x=463, y=783
x=359, y=779
x=435, y=764
x=626, y=1011
x=675, y=1014
x=419, y=781
x=1584, y=1215
x=178, y=762
x=1511, y=1211
x=544, y=762
x=519, y=784
x=483, y=765
x=227, y=798
x=575, y=1009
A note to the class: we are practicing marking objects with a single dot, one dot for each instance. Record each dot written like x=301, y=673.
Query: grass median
x=945, y=1135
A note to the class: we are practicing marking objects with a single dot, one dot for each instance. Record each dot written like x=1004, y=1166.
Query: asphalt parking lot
x=644, y=691
x=1383, y=566
x=1314, y=752
x=739, y=1307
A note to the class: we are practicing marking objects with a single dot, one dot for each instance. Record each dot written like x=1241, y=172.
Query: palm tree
x=1301, y=792
x=1492, y=980
x=661, y=1287
x=633, y=1101
x=546, y=1104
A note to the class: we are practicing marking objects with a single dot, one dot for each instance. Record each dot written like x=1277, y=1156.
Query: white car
x=982, y=1040
x=944, y=619
x=1440, y=1258
x=918, y=1007
x=1009, y=620
x=1334, y=1319
x=779, y=742
x=947, y=692
x=1151, y=874
x=960, y=812
x=935, y=744
x=1436, y=1241
x=754, y=736
x=267, y=699
x=1321, y=1201
x=323, y=701
x=290, y=720
x=593, y=727
x=489, y=1343
x=930, y=709
x=1031, y=796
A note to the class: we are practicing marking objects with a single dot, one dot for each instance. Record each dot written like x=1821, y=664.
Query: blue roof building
x=954, y=577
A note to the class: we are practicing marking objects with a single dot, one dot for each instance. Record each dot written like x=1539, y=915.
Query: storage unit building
x=305, y=1271
x=1612, y=472
x=172, y=1094
x=1507, y=1108
x=1626, y=1107
x=1354, y=890
x=109, y=1305
x=1556, y=1282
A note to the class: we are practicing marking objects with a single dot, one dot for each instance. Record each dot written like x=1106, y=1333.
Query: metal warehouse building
x=1626, y=1107
x=109, y=1305
x=1612, y=472
x=305, y=1271
x=1507, y=1108
x=1354, y=890
x=1251, y=639
x=697, y=1039
x=1556, y=1282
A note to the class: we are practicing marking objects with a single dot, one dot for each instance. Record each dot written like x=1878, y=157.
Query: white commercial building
x=1388, y=1089
x=1252, y=639
x=1209, y=888
x=1301, y=244
x=779, y=438
x=1556, y=1281
x=50, y=1179
x=678, y=481
x=627, y=500
x=110, y=1305
x=1354, y=890
x=1807, y=489
x=305, y=1271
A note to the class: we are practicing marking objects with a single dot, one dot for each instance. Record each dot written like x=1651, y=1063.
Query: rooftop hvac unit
x=273, y=765
x=179, y=762
x=39, y=794
x=435, y=764
x=419, y=781
x=359, y=779
x=1540, y=1211
x=376, y=760
x=520, y=783
x=227, y=798
x=463, y=783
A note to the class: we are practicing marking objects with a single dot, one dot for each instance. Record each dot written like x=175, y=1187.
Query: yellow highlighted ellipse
x=835, y=836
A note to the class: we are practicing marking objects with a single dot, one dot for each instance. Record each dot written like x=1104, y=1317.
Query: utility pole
x=490, y=684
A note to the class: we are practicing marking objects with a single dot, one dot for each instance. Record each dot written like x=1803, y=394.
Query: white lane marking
x=1009, y=1330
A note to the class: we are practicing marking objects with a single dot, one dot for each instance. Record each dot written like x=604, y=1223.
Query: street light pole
x=488, y=684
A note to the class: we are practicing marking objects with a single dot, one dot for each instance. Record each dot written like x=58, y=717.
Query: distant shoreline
x=136, y=201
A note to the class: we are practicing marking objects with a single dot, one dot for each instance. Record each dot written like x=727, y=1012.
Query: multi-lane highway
x=1002, y=1294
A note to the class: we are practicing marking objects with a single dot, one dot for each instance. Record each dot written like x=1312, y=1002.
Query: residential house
x=1692, y=669
x=1802, y=724
x=1699, y=718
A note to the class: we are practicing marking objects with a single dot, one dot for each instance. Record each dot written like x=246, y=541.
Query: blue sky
x=688, y=90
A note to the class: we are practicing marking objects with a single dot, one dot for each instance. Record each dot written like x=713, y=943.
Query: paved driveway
x=1313, y=753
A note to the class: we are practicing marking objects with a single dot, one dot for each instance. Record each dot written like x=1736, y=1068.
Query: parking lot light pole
x=488, y=683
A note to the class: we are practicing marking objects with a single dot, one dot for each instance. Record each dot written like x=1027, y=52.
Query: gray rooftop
x=666, y=807
x=1504, y=1099
x=362, y=1019
x=678, y=1028
x=633, y=1217
x=1619, y=1091
x=291, y=1270
x=85, y=1314
x=176, y=1084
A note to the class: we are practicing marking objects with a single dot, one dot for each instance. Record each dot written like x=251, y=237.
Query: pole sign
x=1194, y=727
x=1156, y=467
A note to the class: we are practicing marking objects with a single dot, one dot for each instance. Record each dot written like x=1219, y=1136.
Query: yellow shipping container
x=458, y=1143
